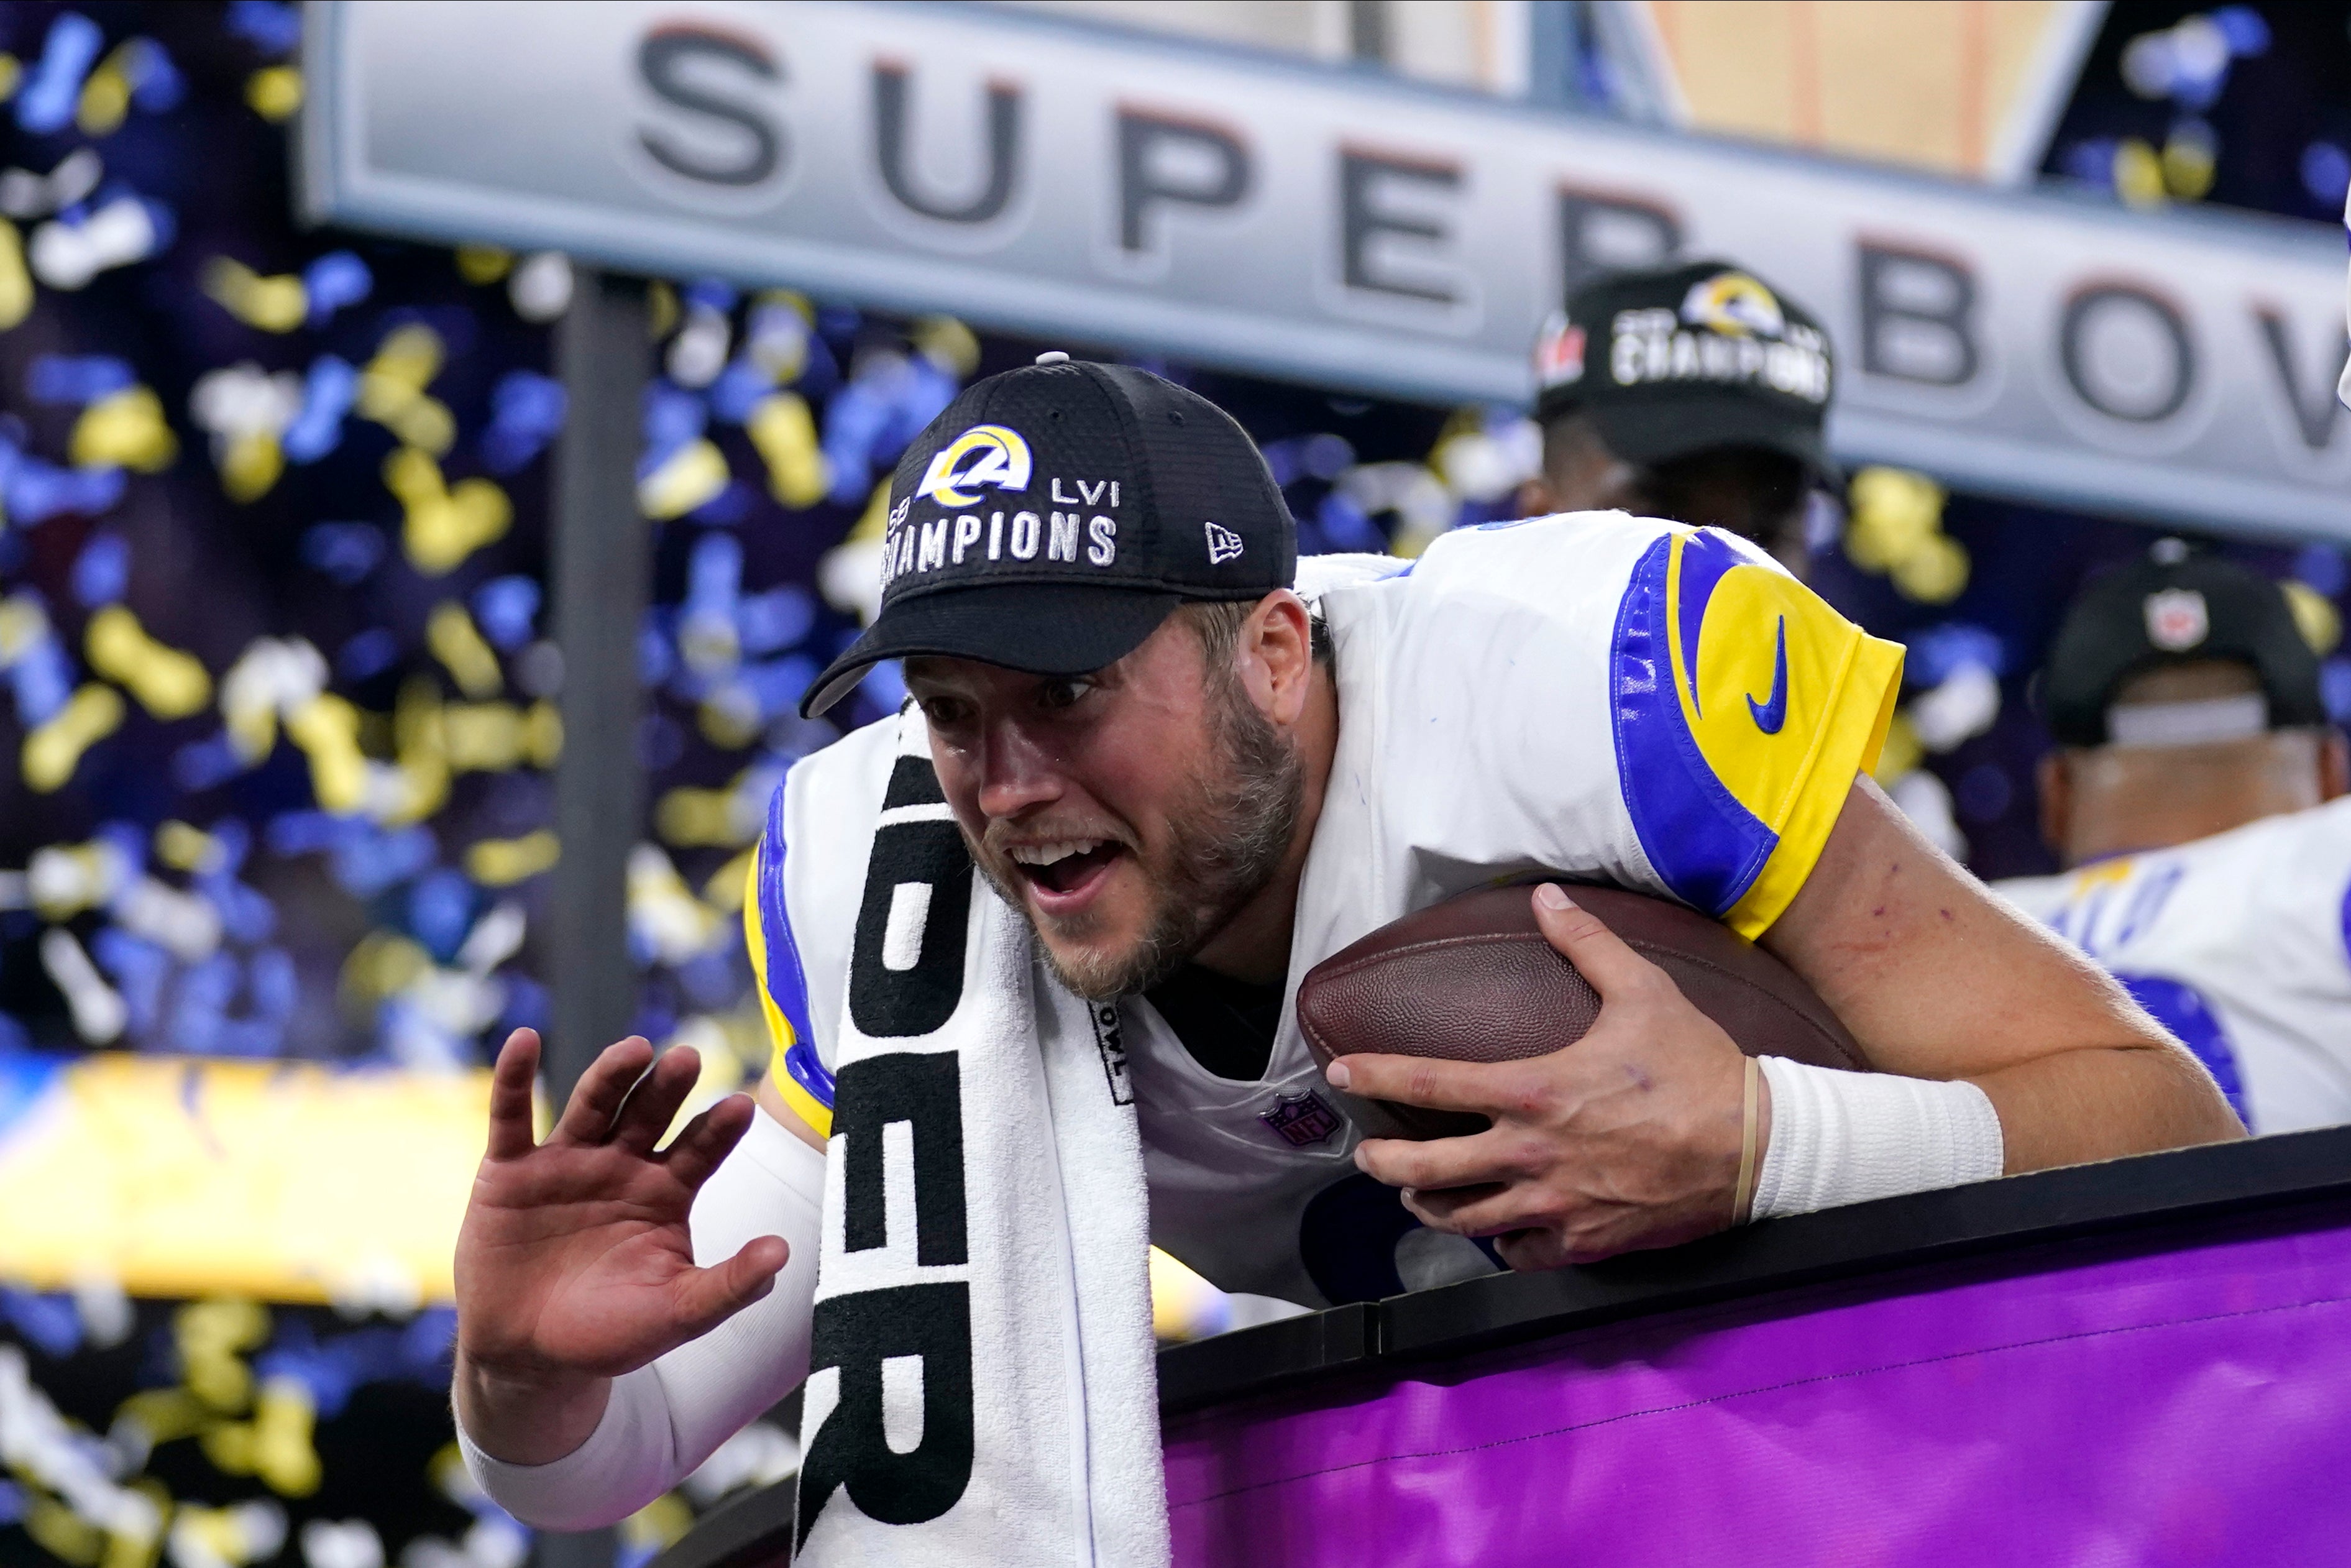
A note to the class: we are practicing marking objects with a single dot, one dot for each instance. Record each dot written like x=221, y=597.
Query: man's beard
x=1226, y=844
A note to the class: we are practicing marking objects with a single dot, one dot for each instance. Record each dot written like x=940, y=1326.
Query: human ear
x=1277, y=652
x=2334, y=765
x=1536, y=497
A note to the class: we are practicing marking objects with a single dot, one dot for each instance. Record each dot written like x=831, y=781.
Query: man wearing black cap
x=1694, y=393
x=2197, y=793
x=1195, y=767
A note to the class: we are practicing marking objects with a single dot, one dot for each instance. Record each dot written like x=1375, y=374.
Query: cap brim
x=1039, y=628
x=1663, y=430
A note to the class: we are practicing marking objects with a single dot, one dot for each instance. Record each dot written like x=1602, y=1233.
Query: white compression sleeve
x=1846, y=1137
x=665, y=1418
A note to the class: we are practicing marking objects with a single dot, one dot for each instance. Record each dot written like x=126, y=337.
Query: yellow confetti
x=2188, y=168
x=1934, y=573
x=2315, y=616
x=380, y=965
x=501, y=862
x=54, y=749
x=660, y=1523
x=12, y=72
x=444, y=524
x=661, y=309
x=211, y=1336
x=690, y=476
x=946, y=343
x=16, y=282
x=1895, y=512
x=274, y=92
x=124, y=430
x=462, y=650
x=184, y=847
x=725, y=888
x=106, y=92
x=2139, y=173
x=391, y=389
x=783, y=432
x=168, y=683
x=276, y=304
x=691, y=818
x=483, y=263
x=327, y=728
x=250, y=465
x=64, y=1533
x=491, y=738
x=277, y=1445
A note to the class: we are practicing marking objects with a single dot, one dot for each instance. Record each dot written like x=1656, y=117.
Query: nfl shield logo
x=2177, y=618
x=1301, y=1119
x=1558, y=352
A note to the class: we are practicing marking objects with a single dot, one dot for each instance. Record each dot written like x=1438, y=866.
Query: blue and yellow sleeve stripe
x=798, y=1074
x=1744, y=708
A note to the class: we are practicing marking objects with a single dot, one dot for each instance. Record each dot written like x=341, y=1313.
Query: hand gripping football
x=1472, y=979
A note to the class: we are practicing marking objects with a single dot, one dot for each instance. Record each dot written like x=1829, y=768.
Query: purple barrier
x=2072, y=1403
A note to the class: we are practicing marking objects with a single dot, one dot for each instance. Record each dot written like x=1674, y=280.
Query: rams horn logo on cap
x=1734, y=305
x=999, y=457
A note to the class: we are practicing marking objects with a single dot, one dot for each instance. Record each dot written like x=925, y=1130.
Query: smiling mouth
x=1064, y=867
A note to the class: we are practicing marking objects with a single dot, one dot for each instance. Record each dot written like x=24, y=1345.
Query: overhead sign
x=1329, y=226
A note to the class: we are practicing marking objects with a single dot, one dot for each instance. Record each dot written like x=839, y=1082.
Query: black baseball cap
x=1674, y=360
x=2176, y=606
x=1054, y=514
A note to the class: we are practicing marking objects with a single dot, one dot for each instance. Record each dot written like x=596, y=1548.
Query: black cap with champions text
x=1680, y=360
x=2174, y=606
x=1054, y=514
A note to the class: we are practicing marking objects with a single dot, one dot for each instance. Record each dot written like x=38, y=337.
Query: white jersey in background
x=2238, y=943
x=1595, y=696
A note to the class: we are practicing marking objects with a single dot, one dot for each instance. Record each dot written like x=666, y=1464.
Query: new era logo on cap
x=1224, y=545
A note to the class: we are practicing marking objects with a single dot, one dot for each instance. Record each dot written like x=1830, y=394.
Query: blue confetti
x=76, y=378
x=328, y=392
x=368, y=652
x=526, y=412
x=50, y=1322
x=344, y=551
x=45, y=102
x=504, y=608
x=335, y=281
x=101, y=573
x=272, y=27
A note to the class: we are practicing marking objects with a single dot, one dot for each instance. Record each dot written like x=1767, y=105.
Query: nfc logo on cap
x=984, y=454
x=1224, y=545
x=2177, y=618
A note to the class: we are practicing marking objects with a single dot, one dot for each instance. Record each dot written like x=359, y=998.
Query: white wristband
x=1847, y=1137
x=665, y=1418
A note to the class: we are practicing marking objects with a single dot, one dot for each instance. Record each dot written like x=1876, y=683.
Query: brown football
x=1472, y=979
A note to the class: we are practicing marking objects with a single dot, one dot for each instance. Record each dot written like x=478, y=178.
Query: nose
x=1017, y=774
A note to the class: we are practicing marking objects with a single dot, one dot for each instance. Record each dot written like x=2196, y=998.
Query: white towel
x=983, y=1388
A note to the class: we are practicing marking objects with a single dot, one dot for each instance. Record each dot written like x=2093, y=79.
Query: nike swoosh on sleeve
x=1770, y=716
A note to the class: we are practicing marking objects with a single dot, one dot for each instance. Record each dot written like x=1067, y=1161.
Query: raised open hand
x=574, y=1262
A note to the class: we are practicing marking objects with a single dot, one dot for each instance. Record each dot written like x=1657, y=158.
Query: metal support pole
x=602, y=567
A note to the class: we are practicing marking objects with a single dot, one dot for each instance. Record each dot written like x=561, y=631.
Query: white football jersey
x=1593, y=697
x=2238, y=943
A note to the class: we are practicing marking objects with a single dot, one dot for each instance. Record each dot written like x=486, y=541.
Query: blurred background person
x=2197, y=794
x=1695, y=393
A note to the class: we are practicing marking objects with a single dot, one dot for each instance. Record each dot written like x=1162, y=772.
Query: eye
x=1059, y=692
x=943, y=712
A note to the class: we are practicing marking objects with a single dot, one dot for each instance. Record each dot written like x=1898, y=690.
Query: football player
x=2197, y=794
x=1695, y=393
x=1197, y=768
